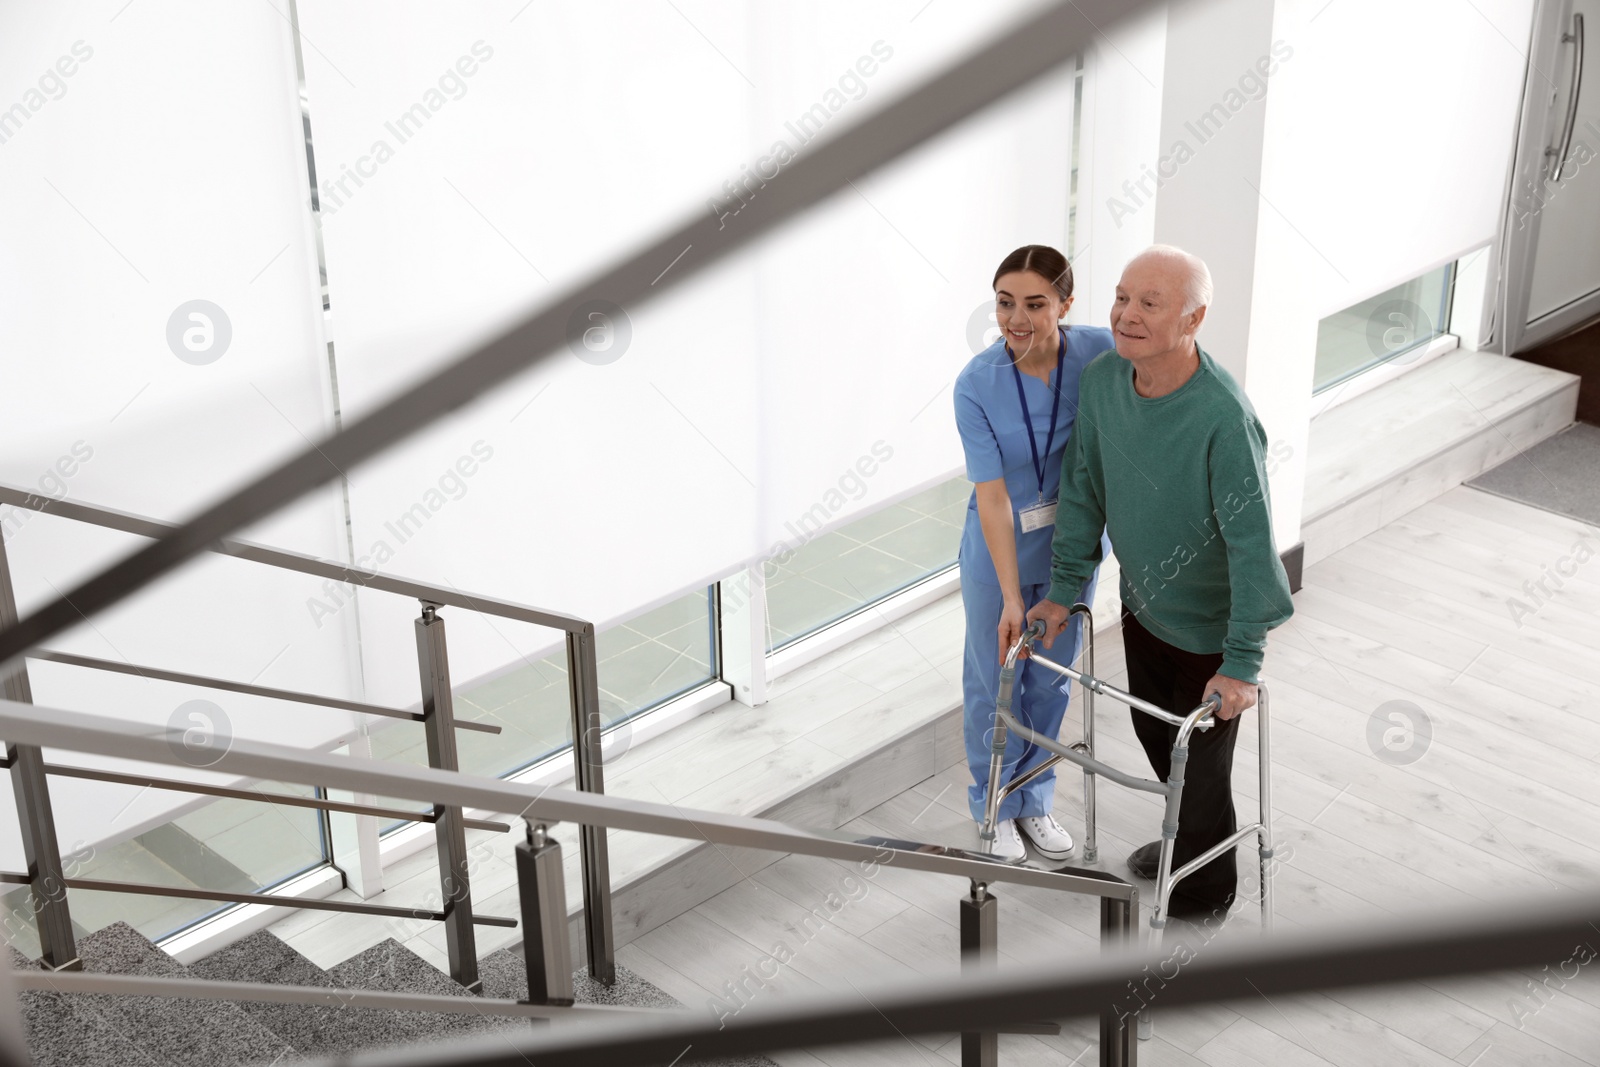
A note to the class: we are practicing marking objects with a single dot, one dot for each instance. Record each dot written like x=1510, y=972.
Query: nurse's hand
x=1011, y=626
x=1055, y=620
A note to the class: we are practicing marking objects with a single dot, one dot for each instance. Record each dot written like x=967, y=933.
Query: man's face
x=1147, y=316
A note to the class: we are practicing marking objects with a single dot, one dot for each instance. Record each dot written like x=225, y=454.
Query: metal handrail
x=128, y=985
x=98, y=885
x=32, y=724
x=539, y=861
x=539, y=867
x=265, y=797
x=1513, y=933
x=449, y=823
x=160, y=674
x=144, y=526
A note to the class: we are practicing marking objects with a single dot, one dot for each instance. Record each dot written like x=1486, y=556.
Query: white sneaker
x=1007, y=843
x=1048, y=836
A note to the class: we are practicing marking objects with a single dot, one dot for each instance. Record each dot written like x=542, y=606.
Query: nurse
x=1015, y=404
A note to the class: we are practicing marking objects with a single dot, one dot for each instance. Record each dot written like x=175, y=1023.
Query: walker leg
x=991, y=803
x=1158, y=916
x=1091, y=845
x=1169, y=835
x=1264, y=837
x=997, y=756
x=1158, y=921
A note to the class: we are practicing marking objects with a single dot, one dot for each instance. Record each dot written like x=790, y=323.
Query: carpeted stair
x=64, y=1033
x=153, y=1030
x=78, y=1030
x=505, y=974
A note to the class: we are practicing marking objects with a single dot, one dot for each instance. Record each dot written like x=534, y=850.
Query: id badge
x=1038, y=516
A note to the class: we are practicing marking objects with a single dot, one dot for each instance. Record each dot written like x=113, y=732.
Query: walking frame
x=1082, y=753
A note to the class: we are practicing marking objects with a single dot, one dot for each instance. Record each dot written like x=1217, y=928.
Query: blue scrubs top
x=994, y=438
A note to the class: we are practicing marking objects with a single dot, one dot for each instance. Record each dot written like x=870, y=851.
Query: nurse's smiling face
x=1028, y=309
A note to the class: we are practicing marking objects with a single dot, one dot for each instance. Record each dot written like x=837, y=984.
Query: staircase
x=98, y=1030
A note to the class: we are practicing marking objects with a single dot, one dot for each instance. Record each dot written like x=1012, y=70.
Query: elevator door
x=1553, y=219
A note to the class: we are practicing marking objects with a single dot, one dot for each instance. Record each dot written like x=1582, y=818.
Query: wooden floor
x=1491, y=792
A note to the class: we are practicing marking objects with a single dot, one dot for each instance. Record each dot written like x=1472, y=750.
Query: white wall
x=1121, y=140
x=1385, y=156
x=1388, y=151
x=165, y=168
x=808, y=378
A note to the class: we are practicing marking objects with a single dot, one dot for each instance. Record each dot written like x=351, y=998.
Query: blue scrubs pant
x=1037, y=700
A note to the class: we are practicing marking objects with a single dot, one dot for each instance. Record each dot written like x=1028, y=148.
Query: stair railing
x=49, y=879
x=1496, y=935
x=541, y=882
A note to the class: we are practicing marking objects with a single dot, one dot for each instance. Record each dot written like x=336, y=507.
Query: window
x=840, y=573
x=642, y=663
x=241, y=846
x=1383, y=328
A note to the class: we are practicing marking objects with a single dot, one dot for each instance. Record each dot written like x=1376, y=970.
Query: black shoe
x=1144, y=860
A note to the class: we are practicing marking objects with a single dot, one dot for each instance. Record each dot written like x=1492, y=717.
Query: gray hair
x=1197, y=276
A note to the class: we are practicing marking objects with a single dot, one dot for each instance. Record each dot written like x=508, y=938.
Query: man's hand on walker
x=1237, y=696
x=1055, y=620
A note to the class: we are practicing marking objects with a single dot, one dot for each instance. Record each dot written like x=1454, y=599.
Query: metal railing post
x=47, y=881
x=979, y=954
x=438, y=723
x=584, y=679
x=1119, y=919
x=13, y=1033
x=542, y=887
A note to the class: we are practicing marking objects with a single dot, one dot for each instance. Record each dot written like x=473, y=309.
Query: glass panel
x=242, y=846
x=1383, y=328
x=837, y=574
x=641, y=664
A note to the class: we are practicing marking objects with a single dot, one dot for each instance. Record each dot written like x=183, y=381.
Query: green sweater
x=1178, y=483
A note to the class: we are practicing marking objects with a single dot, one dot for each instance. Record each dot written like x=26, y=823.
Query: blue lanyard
x=1055, y=406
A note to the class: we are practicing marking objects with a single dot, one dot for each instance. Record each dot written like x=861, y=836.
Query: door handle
x=1560, y=154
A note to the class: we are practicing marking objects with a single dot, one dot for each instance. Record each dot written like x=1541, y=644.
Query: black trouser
x=1171, y=678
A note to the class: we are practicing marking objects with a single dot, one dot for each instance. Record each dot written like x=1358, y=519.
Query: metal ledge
x=286, y=799
x=198, y=989
x=127, y=522
x=77, y=731
x=311, y=904
x=74, y=660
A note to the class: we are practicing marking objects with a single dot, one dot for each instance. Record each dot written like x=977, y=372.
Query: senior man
x=1167, y=457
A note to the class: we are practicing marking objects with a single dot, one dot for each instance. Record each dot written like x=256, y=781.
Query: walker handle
x=1008, y=669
